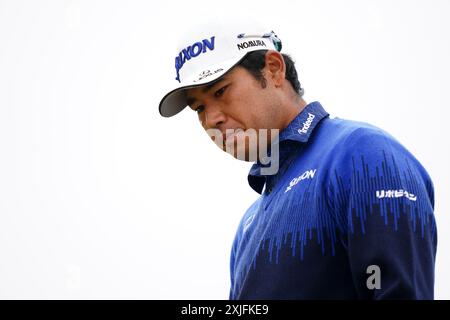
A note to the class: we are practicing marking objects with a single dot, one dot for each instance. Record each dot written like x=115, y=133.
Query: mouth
x=231, y=134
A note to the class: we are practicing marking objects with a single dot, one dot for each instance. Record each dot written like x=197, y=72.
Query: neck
x=293, y=109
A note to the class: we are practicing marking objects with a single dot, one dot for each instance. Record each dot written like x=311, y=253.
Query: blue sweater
x=348, y=215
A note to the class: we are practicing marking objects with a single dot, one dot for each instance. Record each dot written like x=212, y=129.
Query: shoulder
x=339, y=143
x=362, y=151
x=347, y=139
x=343, y=131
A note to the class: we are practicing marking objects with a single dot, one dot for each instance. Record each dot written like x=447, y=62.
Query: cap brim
x=175, y=101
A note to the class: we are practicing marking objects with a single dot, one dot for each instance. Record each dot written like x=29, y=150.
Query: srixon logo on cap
x=191, y=52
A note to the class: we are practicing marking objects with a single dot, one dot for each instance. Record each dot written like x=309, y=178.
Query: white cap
x=206, y=55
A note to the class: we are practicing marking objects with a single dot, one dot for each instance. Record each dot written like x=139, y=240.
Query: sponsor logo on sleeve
x=381, y=194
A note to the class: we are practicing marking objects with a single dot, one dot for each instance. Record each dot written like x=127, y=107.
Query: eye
x=199, y=109
x=220, y=92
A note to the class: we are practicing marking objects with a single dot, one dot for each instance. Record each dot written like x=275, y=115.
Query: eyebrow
x=206, y=88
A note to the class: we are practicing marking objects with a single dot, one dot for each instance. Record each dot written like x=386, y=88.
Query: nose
x=213, y=117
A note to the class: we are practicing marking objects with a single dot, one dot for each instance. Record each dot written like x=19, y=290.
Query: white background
x=102, y=198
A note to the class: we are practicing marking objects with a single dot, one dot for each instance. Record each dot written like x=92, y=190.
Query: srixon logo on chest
x=191, y=52
x=308, y=174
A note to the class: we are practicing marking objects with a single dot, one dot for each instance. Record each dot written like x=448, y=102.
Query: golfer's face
x=232, y=106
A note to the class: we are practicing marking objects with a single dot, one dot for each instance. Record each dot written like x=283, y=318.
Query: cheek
x=254, y=111
x=242, y=106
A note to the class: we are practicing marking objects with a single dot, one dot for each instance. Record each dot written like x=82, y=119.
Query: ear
x=275, y=67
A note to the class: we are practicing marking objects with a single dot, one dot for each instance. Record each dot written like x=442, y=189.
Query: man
x=346, y=211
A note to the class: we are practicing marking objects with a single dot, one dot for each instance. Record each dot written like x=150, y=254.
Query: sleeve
x=231, y=295
x=384, y=201
x=233, y=257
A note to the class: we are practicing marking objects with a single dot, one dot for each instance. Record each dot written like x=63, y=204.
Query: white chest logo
x=309, y=174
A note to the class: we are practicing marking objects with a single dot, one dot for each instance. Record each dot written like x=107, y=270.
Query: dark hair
x=254, y=62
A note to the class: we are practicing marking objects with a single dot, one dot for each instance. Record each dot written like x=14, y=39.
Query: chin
x=244, y=147
x=244, y=154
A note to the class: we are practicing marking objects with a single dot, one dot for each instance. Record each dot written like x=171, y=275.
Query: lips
x=230, y=134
